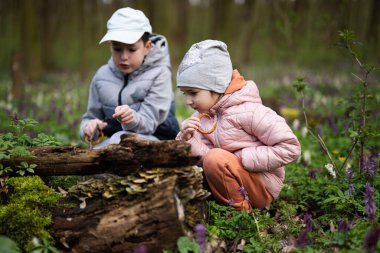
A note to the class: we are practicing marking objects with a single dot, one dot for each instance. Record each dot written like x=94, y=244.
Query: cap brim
x=127, y=37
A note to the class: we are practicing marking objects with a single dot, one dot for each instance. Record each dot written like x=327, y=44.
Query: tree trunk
x=30, y=38
x=18, y=82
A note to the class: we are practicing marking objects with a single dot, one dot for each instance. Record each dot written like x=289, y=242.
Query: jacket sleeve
x=155, y=107
x=94, y=107
x=199, y=145
x=279, y=144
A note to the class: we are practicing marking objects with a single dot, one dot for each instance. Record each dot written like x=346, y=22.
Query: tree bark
x=130, y=155
x=159, y=199
x=153, y=220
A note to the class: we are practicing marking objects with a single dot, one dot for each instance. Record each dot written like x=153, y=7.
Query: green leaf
x=8, y=245
x=186, y=245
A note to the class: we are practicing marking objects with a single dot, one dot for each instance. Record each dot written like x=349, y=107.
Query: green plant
x=17, y=143
x=7, y=245
x=25, y=210
x=360, y=132
x=43, y=246
x=186, y=245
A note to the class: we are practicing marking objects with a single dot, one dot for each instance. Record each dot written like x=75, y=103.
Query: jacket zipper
x=121, y=90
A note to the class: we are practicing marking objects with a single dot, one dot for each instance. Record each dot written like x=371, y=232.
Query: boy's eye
x=117, y=49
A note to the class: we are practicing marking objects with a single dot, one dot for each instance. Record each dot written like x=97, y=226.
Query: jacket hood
x=158, y=55
x=238, y=91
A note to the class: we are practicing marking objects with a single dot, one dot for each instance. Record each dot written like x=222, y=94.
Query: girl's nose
x=189, y=101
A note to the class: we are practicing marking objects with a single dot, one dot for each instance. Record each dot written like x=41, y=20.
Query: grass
x=315, y=211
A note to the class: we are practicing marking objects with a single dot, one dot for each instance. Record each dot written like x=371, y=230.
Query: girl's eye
x=132, y=50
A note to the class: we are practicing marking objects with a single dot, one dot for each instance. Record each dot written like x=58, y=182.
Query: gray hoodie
x=148, y=91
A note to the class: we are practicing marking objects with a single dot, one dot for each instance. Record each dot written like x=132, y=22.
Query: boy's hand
x=123, y=114
x=92, y=126
x=189, y=126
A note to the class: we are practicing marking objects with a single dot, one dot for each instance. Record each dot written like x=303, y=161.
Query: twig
x=348, y=156
x=258, y=230
x=234, y=246
x=324, y=147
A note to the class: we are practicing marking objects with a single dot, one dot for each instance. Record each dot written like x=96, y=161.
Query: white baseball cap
x=127, y=25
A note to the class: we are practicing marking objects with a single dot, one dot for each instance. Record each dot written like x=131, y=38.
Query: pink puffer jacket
x=255, y=133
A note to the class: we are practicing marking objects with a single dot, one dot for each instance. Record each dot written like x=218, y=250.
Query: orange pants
x=225, y=174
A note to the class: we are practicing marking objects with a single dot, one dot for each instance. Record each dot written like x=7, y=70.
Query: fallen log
x=151, y=208
x=131, y=154
x=152, y=193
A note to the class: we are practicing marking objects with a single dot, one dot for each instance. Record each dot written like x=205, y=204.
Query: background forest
x=270, y=41
x=316, y=62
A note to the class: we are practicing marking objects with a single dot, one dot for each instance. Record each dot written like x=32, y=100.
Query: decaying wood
x=151, y=195
x=131, y=154
x=164, y=205
x=121, y=225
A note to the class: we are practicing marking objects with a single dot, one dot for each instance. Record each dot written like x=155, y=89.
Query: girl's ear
x=148, y=45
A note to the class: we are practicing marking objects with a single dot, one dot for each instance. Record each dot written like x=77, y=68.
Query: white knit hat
x=207, y=65
x=127, y=25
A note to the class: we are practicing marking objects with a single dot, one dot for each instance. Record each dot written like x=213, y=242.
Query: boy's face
x=199, y=99
x=129, y=57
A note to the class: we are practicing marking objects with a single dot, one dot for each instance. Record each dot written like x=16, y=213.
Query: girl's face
x=129, y=57
x=199, y=99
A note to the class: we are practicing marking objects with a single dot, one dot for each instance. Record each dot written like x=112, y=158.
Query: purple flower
x=349, y=174
x=243, y=192
x=371, y=239
x=313, y=174
x=231, y=202
x=303, y=239
x=369, y=165
x=351, y=189
x=284, y=243
x=370, y=207
x=343, y=226
x=200, y=236
x=307, y=221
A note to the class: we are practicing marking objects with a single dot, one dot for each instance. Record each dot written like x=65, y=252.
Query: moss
x=26, y=210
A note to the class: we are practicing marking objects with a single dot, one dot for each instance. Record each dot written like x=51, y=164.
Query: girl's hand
x=93, y=126
x=189, y=126
x=123, y=114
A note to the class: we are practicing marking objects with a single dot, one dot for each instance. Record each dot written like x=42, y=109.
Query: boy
x=133, y=91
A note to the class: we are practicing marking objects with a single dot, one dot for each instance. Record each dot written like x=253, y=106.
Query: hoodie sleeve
x=94, y=107
x=156, y=105
x=279, y=144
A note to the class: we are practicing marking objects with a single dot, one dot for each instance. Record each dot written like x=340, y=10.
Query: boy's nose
x=124, y=55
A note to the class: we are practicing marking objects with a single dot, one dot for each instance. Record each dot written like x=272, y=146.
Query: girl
x=243, y=144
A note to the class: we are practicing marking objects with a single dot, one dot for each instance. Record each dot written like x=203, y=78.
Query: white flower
x=307, y=156
x=304, y=131
x=330, y=169
x=296, y=124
